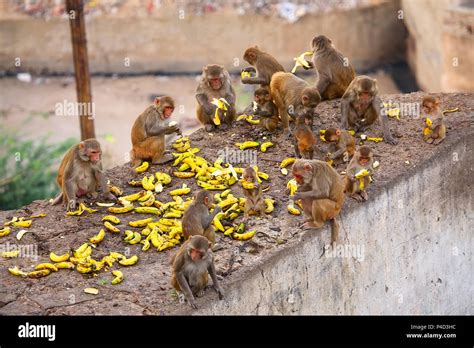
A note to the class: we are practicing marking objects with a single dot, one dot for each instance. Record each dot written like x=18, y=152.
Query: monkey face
x=215, y=82
x=250, y=55
x=320, y=42
x=363, y=161
x=94, y=155
x=302, y=172
x=196, y=254
x=167, y=111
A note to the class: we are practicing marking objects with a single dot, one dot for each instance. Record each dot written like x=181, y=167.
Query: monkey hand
x=297, y=196
x=391, y=140
x=71, y=206
x=217, y=209
x=192, y=302
x=172, y=129
x=208, y=108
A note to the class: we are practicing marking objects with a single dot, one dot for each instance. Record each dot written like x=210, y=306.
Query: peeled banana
x=17, y=272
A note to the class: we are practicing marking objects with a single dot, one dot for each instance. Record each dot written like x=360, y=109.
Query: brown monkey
x=80, y=174
x=361, y=106
x=265, y=66
x=321, y=191
x=354, y=187
x=191, y=265
x=266, y=109
x=197, y=220
x=215, y=83
x=342, y=144
x=254, y=203
x=334, y=72
x=293, y=96
x=431, y=110
x=149, y=130
x=304, y=139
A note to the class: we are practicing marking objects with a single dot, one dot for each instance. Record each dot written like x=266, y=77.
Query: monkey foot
x=437, y=141
x=200, y=293
x=181, y=297
x=209, y=128
x=309, y=225
x=164, y=159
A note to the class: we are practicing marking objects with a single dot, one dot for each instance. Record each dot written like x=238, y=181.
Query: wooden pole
x=75, y=11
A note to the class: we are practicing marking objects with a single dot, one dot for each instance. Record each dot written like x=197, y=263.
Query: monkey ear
x=157, y=101
x=206, y=200
x=307, y=167
x=305, y=98
x=338, y=132
x=82, y=145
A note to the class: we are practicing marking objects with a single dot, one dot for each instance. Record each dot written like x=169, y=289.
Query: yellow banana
x=86, y=208
x=137, y=237
x=229, y=231
x=115, y=190
x=174, y=214
x=224, y=194
x=46, y=265
x=5, y=231
x=10, y=254
x=111, y=218
x=146, y=196
x=148, y=185
x=130, y=261
x=98, y=237
x=118, y=277
x=121, y=210
x=228, y=201
x=59, y=258
x=111, y=227
x=247, y=144
x=128, y=235
x=292, y=185
x=143, y=167
x=265, y=146
x=64, y=265
x=140, y=223
x=147, y=210
x=300, y=61
x=263, y=175
x=217, y=221
x=146, y=245
x=135, y=183
x=293, y=210
x=83, y=269
x=17, y=272
x=247, y=184
x=182, y=191
x=134, y=196
x=360, y=174
x=39, y=274
x=184, y=175
x=287, y=161
x=23, y=223
x=244, y=236
x=269, y=203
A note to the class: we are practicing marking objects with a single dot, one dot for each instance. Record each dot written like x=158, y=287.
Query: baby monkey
x=435, y=129
x=252, y=190
x=265, y=109
x=341, y=145
x=357, y=178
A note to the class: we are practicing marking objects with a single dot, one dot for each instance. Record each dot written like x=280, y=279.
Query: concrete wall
x=440, y=46
x=418, y=260
x=181, y=45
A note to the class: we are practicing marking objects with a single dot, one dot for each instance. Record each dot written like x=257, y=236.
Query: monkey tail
x=58, y=199
x=334, y=231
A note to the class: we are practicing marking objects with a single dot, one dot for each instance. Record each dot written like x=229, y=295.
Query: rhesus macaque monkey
x=293, y=95
x=254, y=203
x=342, y=144
x=80, y=174
x=265, y=66
x=197, y=220
x=304, y=139
x=431, y=109
x=334, y=72
x=215, y=83
x=356, y=188
x=149, y=130
x=321, y=191
x=266, y=109
x=191, y=265
x=361, y=106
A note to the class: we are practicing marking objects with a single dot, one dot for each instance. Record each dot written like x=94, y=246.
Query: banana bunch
x=182, y=144
x=142, y=167
x=248, y=118
x=247, y=144
x=221, y=104
x=265, y=146
x=300, y=61
x=292, y=185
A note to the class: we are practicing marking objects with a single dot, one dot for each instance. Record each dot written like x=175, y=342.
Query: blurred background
x=142, y=48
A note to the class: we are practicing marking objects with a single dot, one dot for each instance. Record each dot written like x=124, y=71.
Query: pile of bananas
x=182, y=144
x=18, y=222
x=148, y=182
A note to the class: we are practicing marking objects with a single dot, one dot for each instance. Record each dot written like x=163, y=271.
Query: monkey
x=191, y=265
x=215, y=83
x=292, y=95
x=197, y=220
x=149, y=130
x=342, y=144
x=361, y=106
x=431, y=109
x=80, y=174
x=321, y=191
x=356, y=188
x=254, y=203
x=304, y=139
x=266, y=109
x=334, y=72
x=265, y=66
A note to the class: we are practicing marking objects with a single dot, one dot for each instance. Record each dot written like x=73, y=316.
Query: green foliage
x=28, y=169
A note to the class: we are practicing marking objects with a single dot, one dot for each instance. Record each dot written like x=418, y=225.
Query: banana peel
x=300, y=61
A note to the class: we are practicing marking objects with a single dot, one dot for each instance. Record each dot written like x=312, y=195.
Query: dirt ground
x=30, y=107
x=146, y=289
